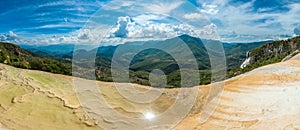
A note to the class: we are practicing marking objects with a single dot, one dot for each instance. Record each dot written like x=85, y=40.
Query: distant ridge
x=141, y=65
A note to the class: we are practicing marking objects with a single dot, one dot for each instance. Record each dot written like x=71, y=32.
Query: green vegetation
x=269, y=53
x=15, y=56
x=147, y=60
x=150, y=59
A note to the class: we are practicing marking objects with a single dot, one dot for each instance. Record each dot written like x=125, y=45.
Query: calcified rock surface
x=1, y=127
x=39, y=100
x=266, y=98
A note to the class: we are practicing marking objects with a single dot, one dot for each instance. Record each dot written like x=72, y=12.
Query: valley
x=59, y=59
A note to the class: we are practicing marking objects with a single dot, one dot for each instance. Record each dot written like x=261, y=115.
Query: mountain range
x=147, y=60
x=58, y=58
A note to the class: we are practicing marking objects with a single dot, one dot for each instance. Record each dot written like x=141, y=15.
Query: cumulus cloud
x=10, y=37
x=82, y=37
x=147, y=29
x=84, y=34
x=122, y=27
x=11, y=34
x=2, y=37
x=210, y=29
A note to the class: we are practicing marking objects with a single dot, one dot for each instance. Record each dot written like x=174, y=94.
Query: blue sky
x=60, y=21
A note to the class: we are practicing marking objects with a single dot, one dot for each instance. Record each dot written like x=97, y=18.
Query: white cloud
x=194, y=16
x=11, y=34
x=10, y=37
x=145, y=18
x=84, y=34
x=243, y=38
x=210, y=29
x=261, y=10
x=290, y=18
x=59, y=3
x=122, y=28
x=164, y=7
x=117, y=5
x=149, y=25
x=139, y=28
x=250, y=25
x=59, y=25
x=209, y=9
x=150, y=29
x=246, y=22
x=149, y=20
x=157, y=6
x=219, y=3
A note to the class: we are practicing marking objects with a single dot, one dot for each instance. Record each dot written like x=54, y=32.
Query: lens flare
x=149, y=115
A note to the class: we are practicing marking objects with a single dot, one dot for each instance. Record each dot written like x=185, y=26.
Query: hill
x=272, y=52
x=13, y=55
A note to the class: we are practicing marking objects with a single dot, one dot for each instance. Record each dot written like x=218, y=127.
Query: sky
x=119, y=21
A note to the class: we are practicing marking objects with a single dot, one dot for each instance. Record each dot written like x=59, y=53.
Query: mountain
x=255, y=100
x=150, y=59
x=236, y=53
